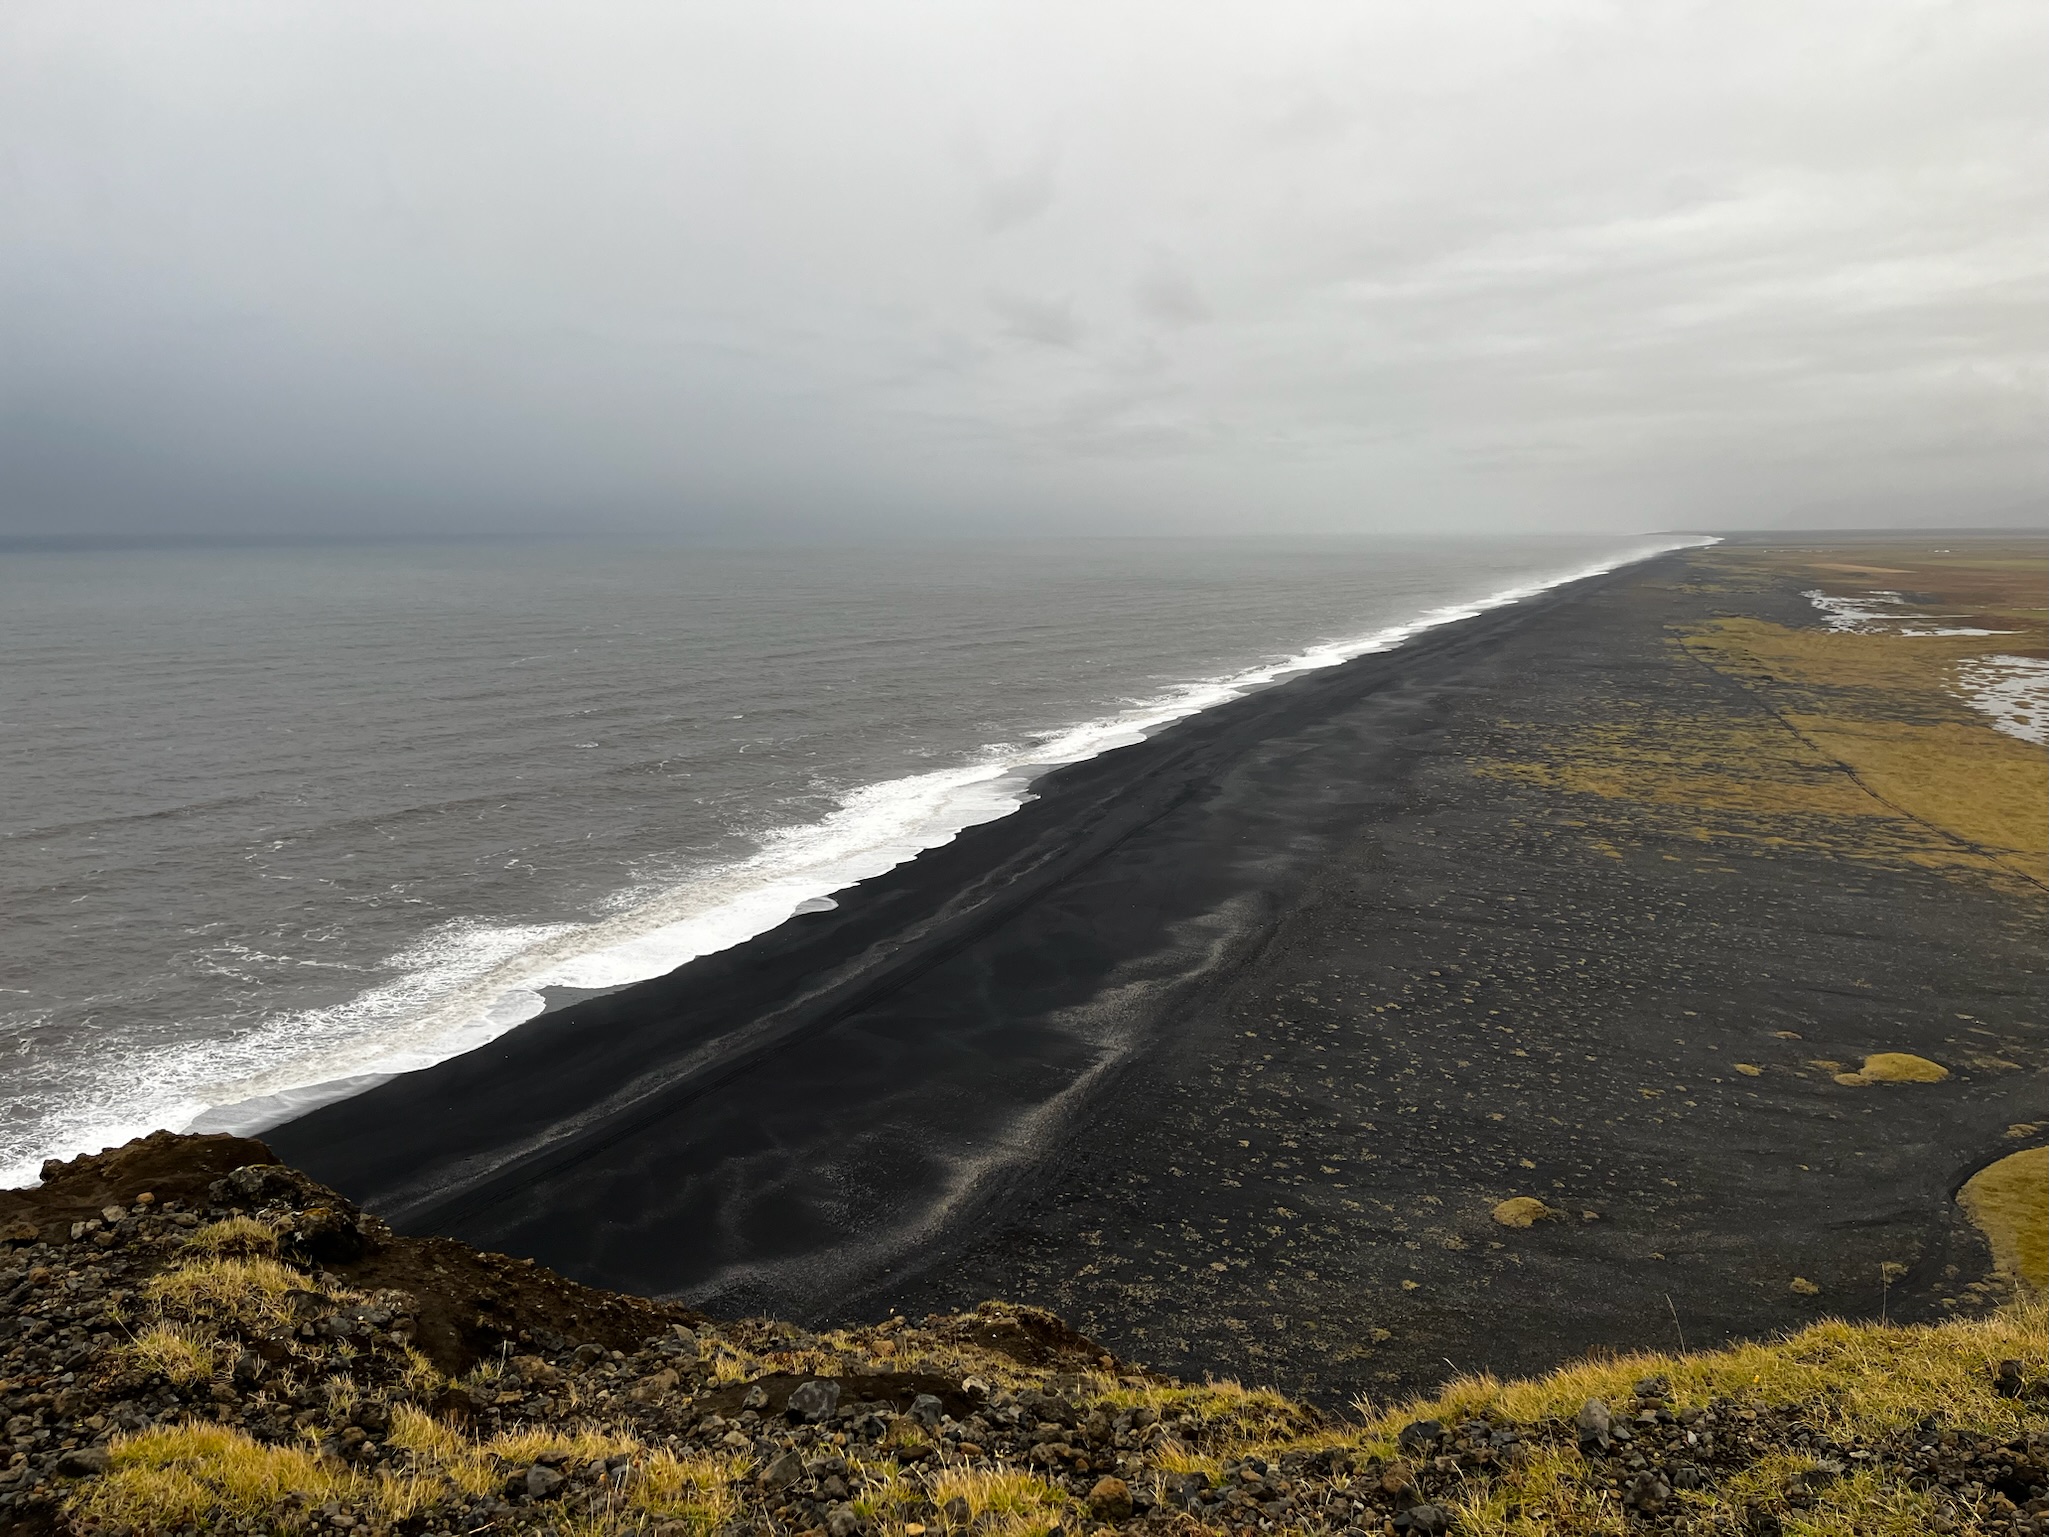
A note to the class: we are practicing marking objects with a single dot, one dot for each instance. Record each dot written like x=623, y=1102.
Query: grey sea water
x=278, y=819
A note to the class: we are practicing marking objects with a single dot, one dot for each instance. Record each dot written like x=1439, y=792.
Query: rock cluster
x=124, y=1322
x=63, y=1309
x=1645, y=1451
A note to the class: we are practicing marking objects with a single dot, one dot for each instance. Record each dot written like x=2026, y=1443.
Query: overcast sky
x=392, y=265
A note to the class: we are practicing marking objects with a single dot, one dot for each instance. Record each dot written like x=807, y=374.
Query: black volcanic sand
x=1226, y=1047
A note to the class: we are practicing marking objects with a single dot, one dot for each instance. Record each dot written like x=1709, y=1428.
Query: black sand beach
x=1227, y=1046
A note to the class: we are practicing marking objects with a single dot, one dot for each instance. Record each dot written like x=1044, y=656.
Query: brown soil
x=473, y=1304
x=169, y=1167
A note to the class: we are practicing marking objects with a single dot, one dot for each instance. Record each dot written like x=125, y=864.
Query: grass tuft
x=584, y=1445
x=1895, y=1067
x=696, y=1491
x=1547, y=1494
x=446, y=1451
x=234, y=1235
x=203, y=1475
x=1006, y=1502
x=181, y=1352
x=252, y=1291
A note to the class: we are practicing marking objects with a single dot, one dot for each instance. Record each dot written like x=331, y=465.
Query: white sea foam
x=466, y=983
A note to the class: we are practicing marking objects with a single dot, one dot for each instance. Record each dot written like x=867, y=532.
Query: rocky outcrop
x=222, y=1344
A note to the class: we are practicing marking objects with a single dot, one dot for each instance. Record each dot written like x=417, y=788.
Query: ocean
x=279, y=822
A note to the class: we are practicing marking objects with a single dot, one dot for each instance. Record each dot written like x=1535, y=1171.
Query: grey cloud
x=1049, y=322
x=1013, y=199
x=1165, y=292
x=461, y=265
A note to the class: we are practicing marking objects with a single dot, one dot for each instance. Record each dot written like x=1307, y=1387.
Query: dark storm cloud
x=798, y=267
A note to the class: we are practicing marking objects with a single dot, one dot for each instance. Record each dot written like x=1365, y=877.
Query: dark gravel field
x=1231, y=1046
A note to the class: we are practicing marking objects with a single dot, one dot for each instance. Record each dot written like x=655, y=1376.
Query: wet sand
x=1227, y=1046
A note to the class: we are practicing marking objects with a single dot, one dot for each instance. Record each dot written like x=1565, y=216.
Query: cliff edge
x=195, y=1338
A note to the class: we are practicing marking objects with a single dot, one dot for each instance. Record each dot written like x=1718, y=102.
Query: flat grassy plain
x=1866, y=745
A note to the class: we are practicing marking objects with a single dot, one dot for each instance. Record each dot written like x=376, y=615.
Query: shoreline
x=1227, y=1046
x=922, y=905
x=977, y=794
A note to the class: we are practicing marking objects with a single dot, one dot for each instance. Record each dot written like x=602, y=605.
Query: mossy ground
x=290, y=1404
x=2009, y=1202
x=1836, y=1429
x=1865, y=746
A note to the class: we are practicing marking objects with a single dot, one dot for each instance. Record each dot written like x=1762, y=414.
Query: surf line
x=462, y=989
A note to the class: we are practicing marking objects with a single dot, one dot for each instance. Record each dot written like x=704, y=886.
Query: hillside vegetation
x=204, y=1363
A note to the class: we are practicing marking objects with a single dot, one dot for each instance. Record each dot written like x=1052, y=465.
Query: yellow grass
x=885, y=1496
x=695, y=1490
x=1548, y=1494
x=1007, y=1502
x=1983, y=787
x=1856, y=1378
x=2009, y=1203
x=730, y=1365
x=421, y=1378
x=253, y=1291
x=207, y=1475
x=234, y=1235
x=1170, y=1455
x=180, y=1352
x=1857, y=744
x=587, y=1443
x=1895, y=1067
x=1867, y=1504
x=440, y=1446
x=1886, y=706
x=1850, y=1381
x=201, y=1475
x=1521, y=1211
